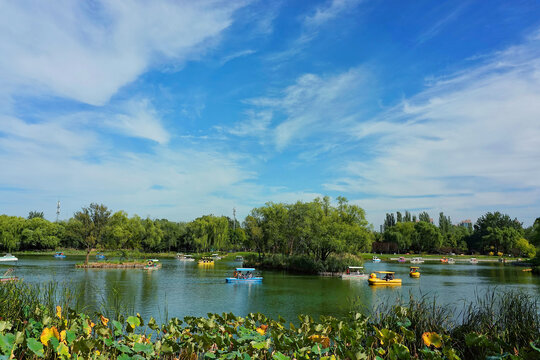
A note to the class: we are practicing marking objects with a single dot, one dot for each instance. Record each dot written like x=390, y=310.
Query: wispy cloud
x=312, y=23
x=317, y=105
x=441, y=24
x=236, y=55
x=138, y=118
x=329, y=11
x=87, y=51
x=472, y=138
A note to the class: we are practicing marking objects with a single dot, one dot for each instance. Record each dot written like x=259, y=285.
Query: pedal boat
x=473, y=261
x=355, y=272
x=414, y=273
x=387, y=280
x=152, y=264
x=59, y=255
x=376, y=259
x=8, y=257
x=206, y=262
x=244, y=275
x=183, y=257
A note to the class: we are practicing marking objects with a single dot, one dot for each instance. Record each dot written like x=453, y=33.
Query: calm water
x=184, y=288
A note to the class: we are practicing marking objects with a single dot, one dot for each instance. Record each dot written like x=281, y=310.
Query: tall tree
x=399, y=217
x=35, y=214
x=92, y=221
x=407, y=217
x=483, y=237
x=424, y=216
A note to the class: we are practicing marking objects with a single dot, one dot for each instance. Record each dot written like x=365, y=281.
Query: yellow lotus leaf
x=46, y=334
x=261, y=331
x=63, y=336
x=321, y=339
x=104, y=320
x=432, y=338
x=55, y=332
x=59, y=312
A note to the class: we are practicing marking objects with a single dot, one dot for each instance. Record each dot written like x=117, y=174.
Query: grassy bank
x=38, y=322
x=303, y=264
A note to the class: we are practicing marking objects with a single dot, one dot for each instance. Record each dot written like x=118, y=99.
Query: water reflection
x=184, y=288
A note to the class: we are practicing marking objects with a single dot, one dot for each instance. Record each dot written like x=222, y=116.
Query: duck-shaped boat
x=388, y=279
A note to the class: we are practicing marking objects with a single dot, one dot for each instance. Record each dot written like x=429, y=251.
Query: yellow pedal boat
x=414, y=273
x=388, y=278
x=206, y=261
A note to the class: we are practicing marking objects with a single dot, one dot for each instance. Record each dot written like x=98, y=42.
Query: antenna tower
x=57, y=210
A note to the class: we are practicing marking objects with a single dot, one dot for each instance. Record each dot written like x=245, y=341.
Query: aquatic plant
x=488, y=328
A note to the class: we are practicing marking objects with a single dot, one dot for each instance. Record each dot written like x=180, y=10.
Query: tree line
x=493, y=232
x=316, y=229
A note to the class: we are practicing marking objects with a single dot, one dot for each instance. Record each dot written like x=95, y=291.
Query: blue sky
x=174, y=109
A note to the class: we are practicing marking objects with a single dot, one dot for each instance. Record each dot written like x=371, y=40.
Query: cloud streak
x=88, y=51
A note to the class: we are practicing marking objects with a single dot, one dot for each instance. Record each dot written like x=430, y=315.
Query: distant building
x=466, y=224
x=431, y=220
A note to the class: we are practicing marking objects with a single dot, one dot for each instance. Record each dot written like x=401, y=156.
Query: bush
x=303, y=264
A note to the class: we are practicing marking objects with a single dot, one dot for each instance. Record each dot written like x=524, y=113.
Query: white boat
x=216, y=257
x=183, y=257
x=239, y=258
x=451, y=261
x=417, y=260
x=354, y=272
x=8, y=257
x=376, y=259
x=473, y=261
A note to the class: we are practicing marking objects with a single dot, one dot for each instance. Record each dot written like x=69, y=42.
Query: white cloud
x=317, y=105
x=88, y=50
x=236, y=55
x=256, y=125
x=138, y=118
x=329, y=11
x=468, y=144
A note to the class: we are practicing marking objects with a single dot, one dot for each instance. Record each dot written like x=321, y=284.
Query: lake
x=180, y=288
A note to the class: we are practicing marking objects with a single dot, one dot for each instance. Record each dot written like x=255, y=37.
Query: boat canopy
x=154, y=260
x=356, y=267
x=215, y=254
x=245, y=269
x=385, y=272
x=415, y=267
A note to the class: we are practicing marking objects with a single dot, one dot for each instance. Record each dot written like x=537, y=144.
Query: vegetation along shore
x=304, y=237
x=38, y=321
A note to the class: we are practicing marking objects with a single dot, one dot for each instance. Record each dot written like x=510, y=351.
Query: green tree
x=428, y=237
x=424, y=216
x=92, y=221
x=482, y=237
x=35, y=214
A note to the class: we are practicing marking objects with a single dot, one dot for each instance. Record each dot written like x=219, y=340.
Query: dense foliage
x=493, y=233
x=497, y=326
x=315, y=229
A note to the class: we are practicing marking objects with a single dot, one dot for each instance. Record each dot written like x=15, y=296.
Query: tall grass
x=20, y=300
x=510, y=320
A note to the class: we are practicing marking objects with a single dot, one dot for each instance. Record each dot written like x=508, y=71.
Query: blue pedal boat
x=59, y=255
x=244, y=275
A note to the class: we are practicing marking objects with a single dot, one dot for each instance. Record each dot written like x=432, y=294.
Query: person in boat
x=389, y=277
x=348, y=271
